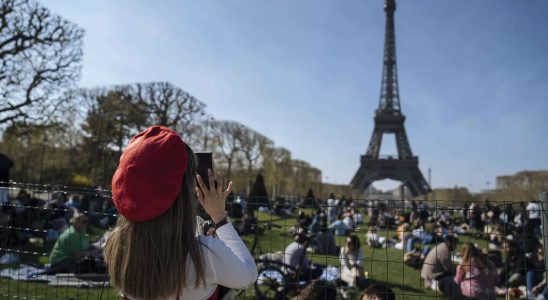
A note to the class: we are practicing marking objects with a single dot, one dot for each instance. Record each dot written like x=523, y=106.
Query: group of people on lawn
x=429, y=239
x=315, y=232
x=63, y=218
x=483, y=273
x=511, y=263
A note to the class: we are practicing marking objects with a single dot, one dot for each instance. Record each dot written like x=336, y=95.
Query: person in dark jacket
x=5, y=165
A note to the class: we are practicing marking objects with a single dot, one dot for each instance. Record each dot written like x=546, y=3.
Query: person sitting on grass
x=107, y=214
x=349, y=221
x=295, y=256
x=413, y=258
x=358, y=217
x=339, y=227
x=352, y=259
x=324, y=243
x=378, y=291
x=72, y=252
x=319, y=221
x=421, y=233
x=373, y=238
x=304, y=220
x=515, y=266
x=249, y=224
x=476, y=275
x=437, y=269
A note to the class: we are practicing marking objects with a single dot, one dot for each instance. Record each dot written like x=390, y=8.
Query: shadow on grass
x=402, y=287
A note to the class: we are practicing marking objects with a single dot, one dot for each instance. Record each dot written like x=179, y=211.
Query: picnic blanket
x=330, y=273
x=29, y=273
x=25, y=273
x=76, y=281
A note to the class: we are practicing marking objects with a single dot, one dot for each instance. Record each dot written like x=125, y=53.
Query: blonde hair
x=149, y=260
x=472, y=257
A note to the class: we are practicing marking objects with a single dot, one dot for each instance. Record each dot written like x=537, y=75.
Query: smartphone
x=205, y=161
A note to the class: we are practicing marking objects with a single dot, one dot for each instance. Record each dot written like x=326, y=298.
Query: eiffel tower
x=389, y=119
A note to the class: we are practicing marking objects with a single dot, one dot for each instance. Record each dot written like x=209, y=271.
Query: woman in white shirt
x=352, y=260
x=373, y=238
x=153, y=252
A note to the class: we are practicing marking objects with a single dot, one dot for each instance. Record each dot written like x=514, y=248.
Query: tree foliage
x=58, y=134
x=110, y=121
x=309, y=199
x=259, y=196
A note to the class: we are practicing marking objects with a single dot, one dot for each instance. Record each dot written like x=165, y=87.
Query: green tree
x=111, y=120
x=40, y=153
x=258, y=196
x=309, y=199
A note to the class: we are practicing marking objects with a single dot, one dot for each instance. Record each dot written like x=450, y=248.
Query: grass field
x=384, y=265
x=381, y=264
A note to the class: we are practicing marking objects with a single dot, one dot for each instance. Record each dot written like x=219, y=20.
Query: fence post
x=544, y=202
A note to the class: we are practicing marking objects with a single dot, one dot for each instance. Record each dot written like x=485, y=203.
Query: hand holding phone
x=205, y=162
x=213, y=198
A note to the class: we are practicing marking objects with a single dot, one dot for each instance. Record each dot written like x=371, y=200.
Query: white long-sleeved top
x=351, y=259
x=227, y=262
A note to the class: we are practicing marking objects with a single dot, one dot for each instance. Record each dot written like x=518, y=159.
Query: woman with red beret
x=153, y=252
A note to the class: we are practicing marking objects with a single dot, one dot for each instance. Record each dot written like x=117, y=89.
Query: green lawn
x=381, y=264
x=384, y=265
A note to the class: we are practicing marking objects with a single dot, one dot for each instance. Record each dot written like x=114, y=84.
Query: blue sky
x=473, y=74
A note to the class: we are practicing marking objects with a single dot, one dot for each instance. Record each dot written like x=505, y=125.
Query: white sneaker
x=434, y=285
x=345, y=294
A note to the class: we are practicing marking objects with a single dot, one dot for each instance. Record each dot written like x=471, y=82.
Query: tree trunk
x=229, y=167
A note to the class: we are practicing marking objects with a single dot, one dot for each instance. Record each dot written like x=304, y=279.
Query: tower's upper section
x=390, y=97
x=390, y=5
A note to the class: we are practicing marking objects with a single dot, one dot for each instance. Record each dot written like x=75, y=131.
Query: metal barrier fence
x=304, y=248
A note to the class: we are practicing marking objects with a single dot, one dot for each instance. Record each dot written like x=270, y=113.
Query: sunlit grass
x=384, y=265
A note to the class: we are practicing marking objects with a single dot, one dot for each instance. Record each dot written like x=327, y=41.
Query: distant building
x=397, y=192
x=535, y=180
x=451, y=197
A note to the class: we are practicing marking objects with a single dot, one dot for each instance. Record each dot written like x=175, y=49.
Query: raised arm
x=231, y=263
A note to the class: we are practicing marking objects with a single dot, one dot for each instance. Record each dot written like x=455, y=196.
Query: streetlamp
x=208, y=119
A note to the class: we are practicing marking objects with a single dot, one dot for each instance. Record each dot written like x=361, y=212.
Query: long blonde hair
x=472, y=257
x=149, y=260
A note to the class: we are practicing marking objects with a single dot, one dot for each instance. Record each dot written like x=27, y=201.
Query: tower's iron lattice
x=389, y=119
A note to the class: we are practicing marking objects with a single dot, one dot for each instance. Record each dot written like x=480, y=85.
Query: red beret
x=150, y=174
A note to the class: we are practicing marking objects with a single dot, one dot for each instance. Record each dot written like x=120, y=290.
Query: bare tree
x=166, y=104
x=226, y=135
x=161, y=102
x=277, y=164
x=40, y=56
x=253, y=147
x=198, y=133
x=304, y=176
